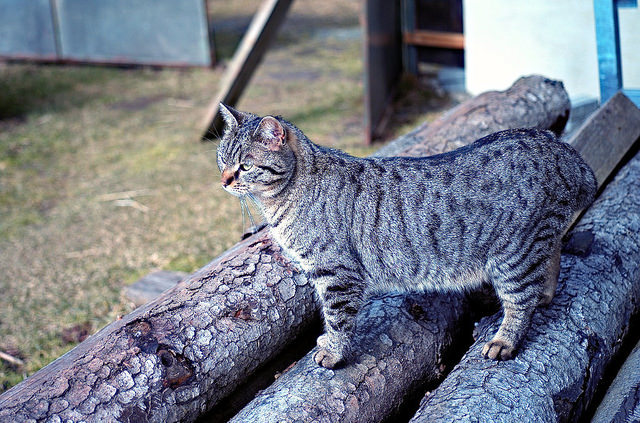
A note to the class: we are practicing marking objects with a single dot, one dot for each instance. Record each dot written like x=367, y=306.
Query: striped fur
x=490, y=212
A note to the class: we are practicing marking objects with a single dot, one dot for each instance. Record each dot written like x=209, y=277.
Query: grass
x=103, y=178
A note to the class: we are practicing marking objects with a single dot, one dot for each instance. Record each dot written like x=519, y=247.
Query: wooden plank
x=254, y=44
x=408, y=23
x=438, y=39
x=605, y=138
x=607, y=135
x=383, y=63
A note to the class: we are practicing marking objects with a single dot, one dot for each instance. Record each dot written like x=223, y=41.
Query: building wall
x=505, y=39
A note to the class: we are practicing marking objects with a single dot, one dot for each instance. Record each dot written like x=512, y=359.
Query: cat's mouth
x=232, y=191
x=236, y=190
x=231, y=184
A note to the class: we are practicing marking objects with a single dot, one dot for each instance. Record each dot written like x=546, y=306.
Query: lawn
x=103, y=178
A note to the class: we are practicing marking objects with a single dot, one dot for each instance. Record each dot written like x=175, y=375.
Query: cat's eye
x=245, y=166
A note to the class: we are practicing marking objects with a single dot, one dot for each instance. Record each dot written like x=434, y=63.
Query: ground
x=103, y=178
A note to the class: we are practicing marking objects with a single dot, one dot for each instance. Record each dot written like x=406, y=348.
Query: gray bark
x=571, y=341
x=172, y=358
x=405, y=344
x=184, y=352
x=532, y=101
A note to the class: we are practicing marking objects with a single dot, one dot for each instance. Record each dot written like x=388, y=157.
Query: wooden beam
x=605, y=138
x=438, y=39
x=382, y=63
x=607, y=135
x=263, y=27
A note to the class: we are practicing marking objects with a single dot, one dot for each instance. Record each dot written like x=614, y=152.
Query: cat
x=491, y=212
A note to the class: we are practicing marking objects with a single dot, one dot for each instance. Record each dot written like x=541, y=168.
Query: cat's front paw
x=323, y=340
x=326, y=358
x=498, y=349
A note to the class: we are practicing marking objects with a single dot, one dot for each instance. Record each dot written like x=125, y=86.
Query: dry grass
x=103, y=179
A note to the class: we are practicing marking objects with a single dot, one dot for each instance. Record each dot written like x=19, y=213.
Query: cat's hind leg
x=514, y=325
x=551, y=279
x=519, y=283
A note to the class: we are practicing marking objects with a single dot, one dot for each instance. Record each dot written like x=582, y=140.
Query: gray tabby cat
x=490, y=212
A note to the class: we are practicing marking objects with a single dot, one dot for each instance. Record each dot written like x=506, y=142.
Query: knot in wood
x=178, y=371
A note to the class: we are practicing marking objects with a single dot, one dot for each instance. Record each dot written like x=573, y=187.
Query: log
x=180, y=354
x=405, y=344
x=189, y=349
x=571, y=341
x=622, y=400
x=532, y=101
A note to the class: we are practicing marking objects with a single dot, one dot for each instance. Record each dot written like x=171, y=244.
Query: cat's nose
x=227, y=178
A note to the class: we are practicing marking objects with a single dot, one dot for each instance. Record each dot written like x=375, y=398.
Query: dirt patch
x=76, y=333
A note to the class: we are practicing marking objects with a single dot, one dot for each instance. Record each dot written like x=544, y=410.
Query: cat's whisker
x=212, y=132
x=253, y=198
x=253, y=223
x=243, y=207
x=246, y=210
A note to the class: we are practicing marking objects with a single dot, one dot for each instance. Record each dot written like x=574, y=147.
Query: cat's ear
x=231, y=116
x=271, y=133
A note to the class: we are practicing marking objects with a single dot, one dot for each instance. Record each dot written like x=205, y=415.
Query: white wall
x=506, y=39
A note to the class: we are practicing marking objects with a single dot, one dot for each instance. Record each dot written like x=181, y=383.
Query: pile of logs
x=214, y=343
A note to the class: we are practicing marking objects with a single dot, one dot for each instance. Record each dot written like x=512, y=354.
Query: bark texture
x=571, y=341
x=173, y=358
x=181, y=354
x=402, y=341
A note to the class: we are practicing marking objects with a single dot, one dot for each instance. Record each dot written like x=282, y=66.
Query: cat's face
x=253, y=155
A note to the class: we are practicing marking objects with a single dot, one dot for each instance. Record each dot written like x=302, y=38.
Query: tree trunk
x=183, y=353
x=571, y=341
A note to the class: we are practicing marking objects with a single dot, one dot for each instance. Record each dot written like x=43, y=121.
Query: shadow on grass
x=27, y=88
